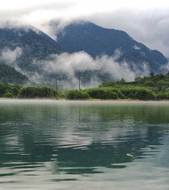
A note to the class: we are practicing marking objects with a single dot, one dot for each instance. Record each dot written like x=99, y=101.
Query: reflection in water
x=84, y=146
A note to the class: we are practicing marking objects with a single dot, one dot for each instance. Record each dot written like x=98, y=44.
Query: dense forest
x=16, y=91
x=154, y=87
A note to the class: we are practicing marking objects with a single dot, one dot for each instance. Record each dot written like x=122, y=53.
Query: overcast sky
x=145, y=20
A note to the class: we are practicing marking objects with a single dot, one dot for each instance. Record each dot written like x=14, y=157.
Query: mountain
x=35, y=45
x=10, y=75
x=98, y=41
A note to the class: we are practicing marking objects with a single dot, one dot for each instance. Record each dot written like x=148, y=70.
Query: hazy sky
x=145, y=20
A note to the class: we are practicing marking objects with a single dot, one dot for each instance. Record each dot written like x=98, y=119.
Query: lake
x=66, y=145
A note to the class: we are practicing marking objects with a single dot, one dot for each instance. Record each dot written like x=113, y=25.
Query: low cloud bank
x=67, y=68
x=10, y=56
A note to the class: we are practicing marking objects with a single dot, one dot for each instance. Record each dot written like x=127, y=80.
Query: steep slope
x=35, y=45
x=98, y=41
x=10, y=75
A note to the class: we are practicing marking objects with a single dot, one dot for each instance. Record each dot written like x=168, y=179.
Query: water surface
x=55, y=145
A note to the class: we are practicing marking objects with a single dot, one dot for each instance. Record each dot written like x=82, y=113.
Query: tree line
x=154, y=87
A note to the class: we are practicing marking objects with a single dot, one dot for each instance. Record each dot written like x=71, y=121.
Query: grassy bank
x=147, y=88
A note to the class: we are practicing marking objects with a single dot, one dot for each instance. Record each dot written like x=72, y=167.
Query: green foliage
x=8, y=95
x=105, y=93
x=140, y=93
x=143, y=88
x=77, y=95
x=37, y=92
x=10, y=91
x=155, y=87
x=3, y=89
x=6, y=89
x=163, y=95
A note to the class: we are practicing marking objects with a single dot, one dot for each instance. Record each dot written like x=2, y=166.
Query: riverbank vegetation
x=155, y=87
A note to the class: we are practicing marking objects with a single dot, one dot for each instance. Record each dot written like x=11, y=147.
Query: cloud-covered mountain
x=96, y=53
x=19, y=48
x=98, y=41
x=33, y=43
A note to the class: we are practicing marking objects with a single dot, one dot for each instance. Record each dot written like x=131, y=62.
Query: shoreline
x=87, y=102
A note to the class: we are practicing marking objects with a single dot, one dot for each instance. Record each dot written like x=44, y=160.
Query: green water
x=50, y=145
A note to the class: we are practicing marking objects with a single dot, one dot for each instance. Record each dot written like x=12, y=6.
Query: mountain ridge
x=98, y=41
x=75, y=37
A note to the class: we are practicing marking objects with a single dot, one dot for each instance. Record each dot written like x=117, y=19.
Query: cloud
x=10, y=56
x=146, y=21
x=66, y=68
